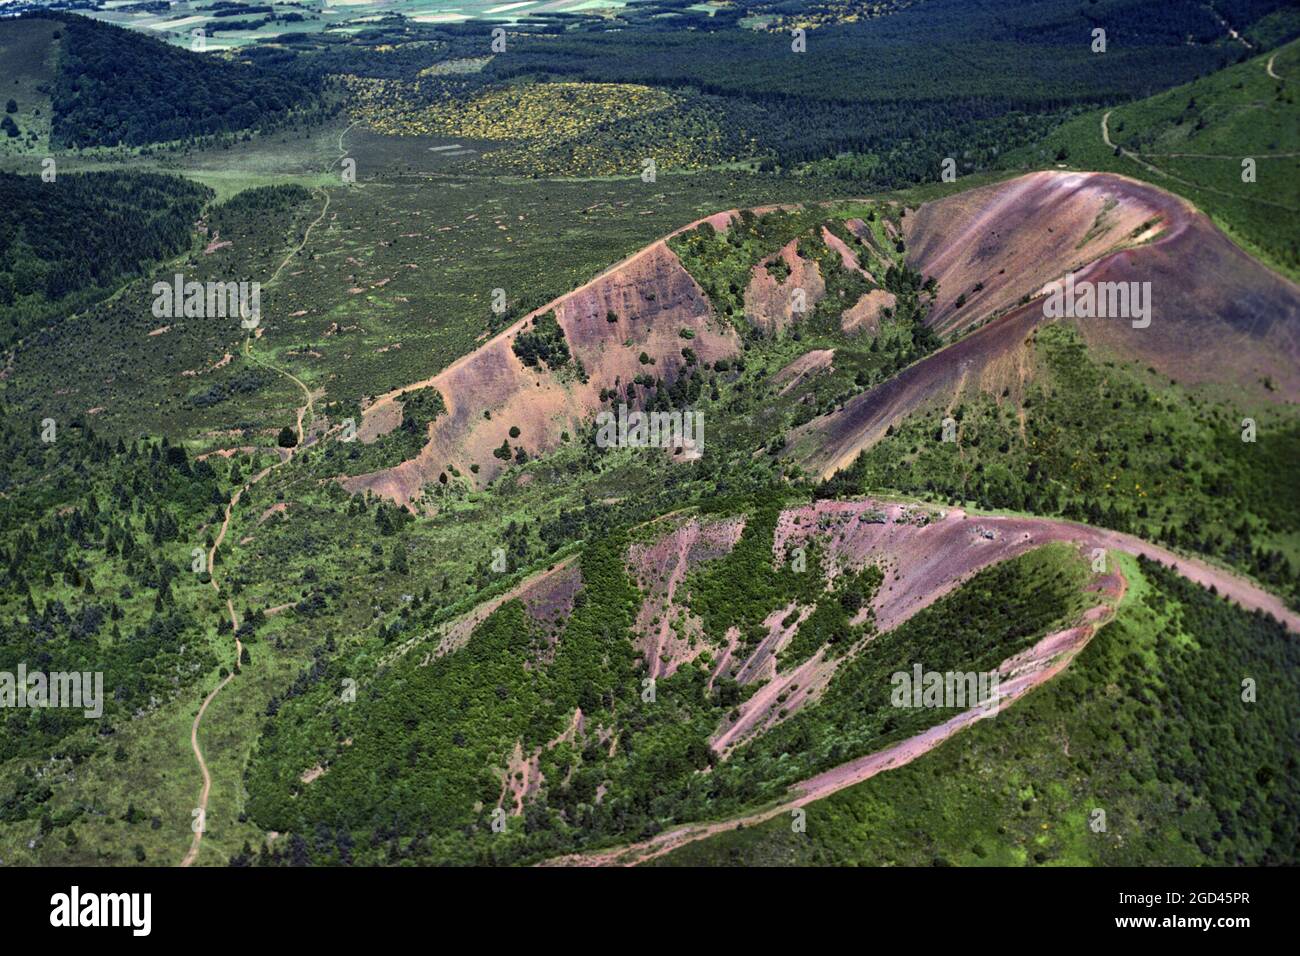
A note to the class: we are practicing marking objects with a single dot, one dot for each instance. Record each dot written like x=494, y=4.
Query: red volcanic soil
x=865, y=313
x=653, y=297
x=1016, y=236
x=783, y=693
x=721, y=221
x=771, y=305
x=668, y=635
x=863, y=232
x=522, y=779
x=848, y=258
x=986, y=357
x=1217, y=316
x=803, y=368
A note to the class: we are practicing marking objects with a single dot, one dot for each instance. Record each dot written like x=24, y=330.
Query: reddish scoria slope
x=653, y=297
x=1019, y=675
x=1011, y=238
x=771, y=304
x=925, y=552
x=668, y=635
x=1217, y=315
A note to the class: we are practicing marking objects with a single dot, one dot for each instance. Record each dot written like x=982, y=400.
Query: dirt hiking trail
x=305, y=410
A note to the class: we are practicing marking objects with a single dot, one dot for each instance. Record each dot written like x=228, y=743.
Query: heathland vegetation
x=406, y=673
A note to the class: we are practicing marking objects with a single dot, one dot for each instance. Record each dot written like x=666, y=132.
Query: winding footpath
x=234, y=621
x=198, y=755
x=305, y=235
x=1157, y=171
x=306, y=410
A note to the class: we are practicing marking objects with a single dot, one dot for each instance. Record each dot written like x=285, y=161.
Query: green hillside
x=66, y=243
x=81, y=83
x=1191, y=140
